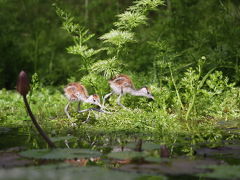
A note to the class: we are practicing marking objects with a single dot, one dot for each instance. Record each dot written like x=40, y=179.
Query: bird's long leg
x=90, y=110
x=106, y=96
x=93, y=109
x=66, y=110
x=79, y=105
x=119, y=103
x=87, y=117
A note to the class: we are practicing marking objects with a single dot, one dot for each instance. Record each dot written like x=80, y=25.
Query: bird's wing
x=123, y=81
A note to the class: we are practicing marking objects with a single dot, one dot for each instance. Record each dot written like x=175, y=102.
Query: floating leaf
x=60, y=153
x=126, y=155
x=12, y=159
x=154, y=159
x=145, y=146
x=63, y=172
x=171, y=167
x=151, y=177
x=223, y=172
x=62, y=138
x=224, y=151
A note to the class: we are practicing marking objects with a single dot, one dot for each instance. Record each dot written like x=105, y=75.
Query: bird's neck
x=84, y=98
x=135, y=92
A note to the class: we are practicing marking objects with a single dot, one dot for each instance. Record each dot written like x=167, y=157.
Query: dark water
x=180, y=159
x=19, y=137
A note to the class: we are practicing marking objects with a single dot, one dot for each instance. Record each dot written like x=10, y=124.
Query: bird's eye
x=94, y=100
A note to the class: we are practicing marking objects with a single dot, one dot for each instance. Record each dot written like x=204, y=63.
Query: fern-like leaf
x=145, y=5
x=129, y=20
x=108, y=68
x=118, y=37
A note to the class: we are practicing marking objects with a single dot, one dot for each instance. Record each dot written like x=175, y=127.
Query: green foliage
x=132, y=18
x=191, y=93
x=129, y=20
x=187, y=53
x=162, y=116
x=79, y=34
x=145, y=5
x=190, y=30
x=108, y=68
x=80, y=37
x=117, y=38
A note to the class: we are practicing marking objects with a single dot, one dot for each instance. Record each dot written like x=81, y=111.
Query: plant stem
x=196, y=91
x=191, y=106
x=38, y=127
x=175, y=86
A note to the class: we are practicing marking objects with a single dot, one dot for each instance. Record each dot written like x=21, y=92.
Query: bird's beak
x=151, y=99
x=101, y=106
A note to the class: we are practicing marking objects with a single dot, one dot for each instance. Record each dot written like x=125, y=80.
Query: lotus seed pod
x=22, y=83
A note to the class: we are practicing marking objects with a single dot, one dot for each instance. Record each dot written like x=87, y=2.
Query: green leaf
x=109, y=67
x=59, y=153
x=129, y=20
x=145, y=5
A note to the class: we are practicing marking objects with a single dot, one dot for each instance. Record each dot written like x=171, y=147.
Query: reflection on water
x=133, y=152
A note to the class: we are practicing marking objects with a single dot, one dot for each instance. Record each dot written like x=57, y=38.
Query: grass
x=164, y=117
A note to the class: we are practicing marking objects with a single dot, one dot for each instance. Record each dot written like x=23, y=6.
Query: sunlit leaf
x=109, y=67
x=129, y=20
x=118, y=37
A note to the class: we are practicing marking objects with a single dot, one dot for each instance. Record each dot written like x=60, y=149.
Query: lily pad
x=126, y=155
x=223, y=172
x=227, y=151
x=172, y=167
x=58, y=154
x=63, y=172
x=62, y=138
x=148, y=146
x=155, y=159
x=12, y=159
